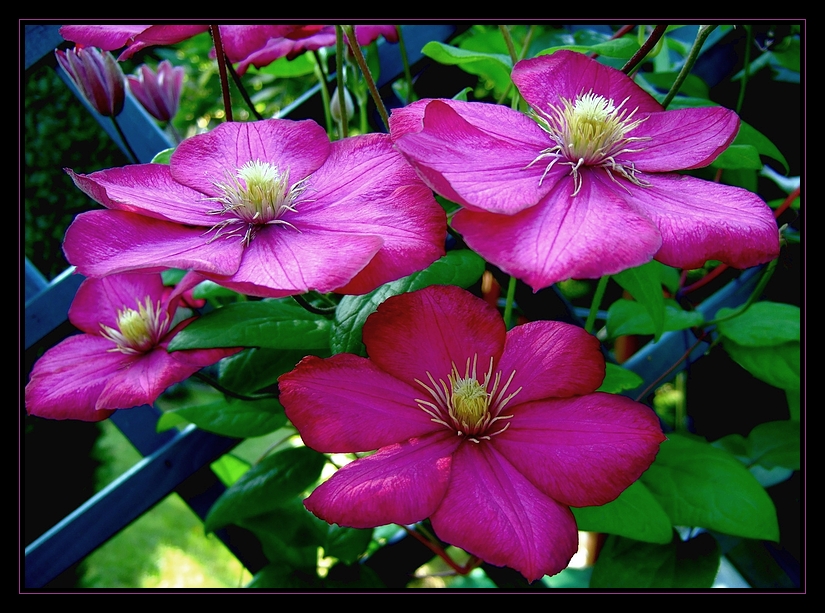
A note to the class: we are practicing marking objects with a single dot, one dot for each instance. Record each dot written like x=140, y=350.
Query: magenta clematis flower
x=267, y=208
x=132, y=37
x=587, y=188
x=97, y=76
x=158, y=91
x=493, y=435
x=120, y=361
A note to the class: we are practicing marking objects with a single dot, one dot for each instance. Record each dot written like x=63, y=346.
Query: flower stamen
x=139, y=330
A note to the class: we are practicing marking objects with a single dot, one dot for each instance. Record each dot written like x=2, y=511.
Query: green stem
x=411, y=97
x=322, y=81
x=508, y=304
x=343, y=121
x=244, y=94
x=326, y=311
x=597, y=300
x=227, y=102
x=763, y=281
x=365, y=70
x=508, y=40
x=646, y=47
x=690, y=60
x=747, y=69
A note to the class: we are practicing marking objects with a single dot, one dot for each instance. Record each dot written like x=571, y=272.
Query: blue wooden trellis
x=179, y=461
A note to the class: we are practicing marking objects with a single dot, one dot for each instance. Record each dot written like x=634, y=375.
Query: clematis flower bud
x=158, y=92
x=335, y=105
x=97, y=76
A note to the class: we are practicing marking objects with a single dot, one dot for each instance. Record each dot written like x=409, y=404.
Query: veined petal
x=106, y=37
x=551, y=360
x=105, y=242
x=585, y=236
x=701, y=220
x=458, y=154
x=429, y=330
x=347, y=404
x=543, y=81
x=282, y=261
x=67, y=380
x=492, y=511
x=399, y=484
x=584, y=450
x=367, y=188
x=147, y=189
x=160, y=35
x=683, y=138
x=206, y=159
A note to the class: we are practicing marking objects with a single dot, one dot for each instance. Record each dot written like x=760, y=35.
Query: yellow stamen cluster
x=139, y=330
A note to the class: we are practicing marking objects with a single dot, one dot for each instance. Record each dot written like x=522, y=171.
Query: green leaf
x=274, y=324
x=346, y=544
x=617, y=379
x=625, y=317
x=776, y=443
x=738, y=156
x=273, y=482
x=278, y=575
x=163, y=157
x=699, y=485
x=286, y=68
x=625, y=563
x=235, y=418
x=229, y=468
x=254, y=369
x=621, y=48
x=634, y=514
x=748, y=135
x=763, y=324
x=777, y=365
x=455, y=56
x=461, y=267
x=289, y=534
x=645, y=285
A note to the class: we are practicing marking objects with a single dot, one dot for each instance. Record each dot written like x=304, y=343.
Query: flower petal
x=367, y=188
x=543, y=81
x=551, y=360
x=202, y=161
x=106, y=37
x=492, y=511
x=147, y=189
x=584, y=450
x=104, y=242
x=429, y=330
x=347, y=404
x=474, y=153
x=683, y=138
x=701, y=220
x=399, y=484
x=68, y=378
x=585, y=236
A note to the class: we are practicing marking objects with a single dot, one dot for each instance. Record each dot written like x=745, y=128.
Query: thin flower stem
x=763, y=281
x=439, y=551
x=594, y=307
x=244, y=94
x=207, y=379
x=524, y=48
x=648, y=45
x=322, y=81
x=747, y=69
x=690, y=60
x=326, y=311
x=411, y=97
x=129, y=152
x=362, y=64
x=227, y=102
x=508, y=304
x=343, y=120
x=508, y=40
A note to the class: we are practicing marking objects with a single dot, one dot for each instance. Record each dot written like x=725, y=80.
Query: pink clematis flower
x=120, y=361
x=587, y=188
x=493, y=435
x=97, y=76
x=267, y=208
x=158, y=91
x=132, y=37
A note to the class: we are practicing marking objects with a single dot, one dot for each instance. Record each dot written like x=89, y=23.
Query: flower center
x=256, y=195
x=467, y=405
x=590, y=131
x=138, y=331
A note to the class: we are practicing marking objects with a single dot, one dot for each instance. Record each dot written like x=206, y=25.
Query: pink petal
x=105, y=37
x=147, y=189
x=206, y=159
x=492, y=511
x=551, y=360
x=584, y=450
x=700, y=220
x=586, y=236
x=67, y=380
x=366, y=188
x=458, y=154
x=429, y=330
x=683, y=138
x=543, y=81
x=399, y=484
x=282, y=261
x=347, y=404
x=105, y=242
x=241, y=41
x=160, y=35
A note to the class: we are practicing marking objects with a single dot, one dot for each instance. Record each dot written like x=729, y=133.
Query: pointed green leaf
x=618, y=379
x=761, y=325
x=621, y=48
x=229, y=468
x=778, y=365
x=776, y=443
x=451, y=56
x=162, y=157
x=235, y=418
x=645, y=285
x=699, y=485
x=461, y=267
x=273, y=482
x=738, y=156
x=625, y=317
x=346, y=544
x=274, y=324
x=255, y=369
x=634, y=514
x=750, y=136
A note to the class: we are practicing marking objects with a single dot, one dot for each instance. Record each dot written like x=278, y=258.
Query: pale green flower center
x=590, y=131
x=466, y=405
x=139, y=330
x=256, y=195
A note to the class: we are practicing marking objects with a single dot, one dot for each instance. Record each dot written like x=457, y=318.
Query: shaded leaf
x=778, y=365
x=235, y=418
x=346, y=544
x=645, y=285
x=626, y=317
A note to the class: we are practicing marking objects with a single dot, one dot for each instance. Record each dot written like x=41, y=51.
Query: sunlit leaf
x=629, y=317
x=644, y=284
x=763, y=324
x=618, y=379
